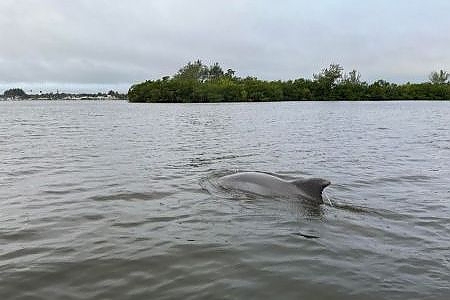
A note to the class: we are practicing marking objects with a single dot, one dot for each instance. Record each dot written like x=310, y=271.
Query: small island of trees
x=15, y=93
x=197, y=82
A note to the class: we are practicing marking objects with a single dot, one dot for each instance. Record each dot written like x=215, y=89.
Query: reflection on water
x=110, y=200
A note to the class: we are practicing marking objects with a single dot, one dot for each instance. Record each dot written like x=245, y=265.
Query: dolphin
x=265, y=184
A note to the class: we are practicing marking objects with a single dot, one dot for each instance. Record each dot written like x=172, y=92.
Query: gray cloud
x=114, y=42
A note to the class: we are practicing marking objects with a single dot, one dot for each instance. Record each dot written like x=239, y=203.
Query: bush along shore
x=196, y=82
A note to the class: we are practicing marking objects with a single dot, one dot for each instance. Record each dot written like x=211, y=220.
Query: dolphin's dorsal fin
x=312, y=187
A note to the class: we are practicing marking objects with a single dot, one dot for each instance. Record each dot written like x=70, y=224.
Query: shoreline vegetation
x=197, y=82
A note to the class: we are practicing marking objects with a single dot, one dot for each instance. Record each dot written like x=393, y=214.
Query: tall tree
x=330, y=76
x=439, y=77
x=326, y=81
x=193, y=71
x=215, y=71
x=353, y=77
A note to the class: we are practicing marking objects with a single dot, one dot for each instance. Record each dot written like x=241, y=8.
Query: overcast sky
x=91, y=45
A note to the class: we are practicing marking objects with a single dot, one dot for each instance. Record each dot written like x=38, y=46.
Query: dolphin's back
x=270, y=185
x=257, y=183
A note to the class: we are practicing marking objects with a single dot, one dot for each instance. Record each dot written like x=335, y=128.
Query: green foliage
x=329, y=76
x=195, y=71
x=196, y=82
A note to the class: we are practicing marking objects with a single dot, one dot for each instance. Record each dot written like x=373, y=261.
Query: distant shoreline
x=60, y=99
x=223, y=102
x=199, y=83
x=17, y=94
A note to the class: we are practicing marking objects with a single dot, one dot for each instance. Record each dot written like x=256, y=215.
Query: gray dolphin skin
x=265, y=184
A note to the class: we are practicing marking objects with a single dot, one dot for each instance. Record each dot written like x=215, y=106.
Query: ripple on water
x=131, y=196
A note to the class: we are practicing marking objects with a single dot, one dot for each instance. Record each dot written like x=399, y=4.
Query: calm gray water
x=111, y=200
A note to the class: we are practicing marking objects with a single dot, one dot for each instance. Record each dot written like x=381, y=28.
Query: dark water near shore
x=110, y=200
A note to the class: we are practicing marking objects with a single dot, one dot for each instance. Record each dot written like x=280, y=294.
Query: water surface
x=111, y=200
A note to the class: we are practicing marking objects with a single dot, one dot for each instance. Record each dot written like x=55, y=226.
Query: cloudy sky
x=89, y=45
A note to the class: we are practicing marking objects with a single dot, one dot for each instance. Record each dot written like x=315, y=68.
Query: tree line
x=197, y=82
